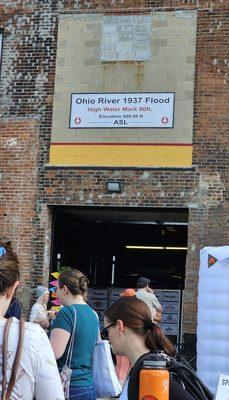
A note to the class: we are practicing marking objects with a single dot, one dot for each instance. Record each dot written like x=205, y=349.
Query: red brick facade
x=28, y=186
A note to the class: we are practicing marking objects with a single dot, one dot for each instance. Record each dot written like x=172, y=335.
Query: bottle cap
x=154, y=363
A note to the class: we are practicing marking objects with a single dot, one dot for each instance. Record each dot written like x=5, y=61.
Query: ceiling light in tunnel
x=145, y=247
x=175, y=248
x=155, y=248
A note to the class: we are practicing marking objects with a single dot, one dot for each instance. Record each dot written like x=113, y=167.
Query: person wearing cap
x=39, y=313
x=146, y=294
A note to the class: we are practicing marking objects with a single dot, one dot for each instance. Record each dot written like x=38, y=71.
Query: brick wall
x=28, y=186
x=18, y=180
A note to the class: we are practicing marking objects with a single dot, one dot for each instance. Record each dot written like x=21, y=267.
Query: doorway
x=114, y=246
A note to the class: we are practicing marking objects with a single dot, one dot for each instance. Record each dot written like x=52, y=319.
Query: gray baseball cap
x=143, y=282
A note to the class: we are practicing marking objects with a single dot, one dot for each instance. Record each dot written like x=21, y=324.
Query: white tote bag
x=104, y=376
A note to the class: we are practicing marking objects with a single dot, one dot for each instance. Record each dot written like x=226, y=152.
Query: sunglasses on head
x=105, y=331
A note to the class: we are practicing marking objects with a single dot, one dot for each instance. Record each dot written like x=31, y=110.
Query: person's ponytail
x=156, y=340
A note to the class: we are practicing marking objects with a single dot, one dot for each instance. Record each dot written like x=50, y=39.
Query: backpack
x=184, y=383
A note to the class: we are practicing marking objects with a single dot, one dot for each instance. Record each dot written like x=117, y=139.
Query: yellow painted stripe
x=121, y=155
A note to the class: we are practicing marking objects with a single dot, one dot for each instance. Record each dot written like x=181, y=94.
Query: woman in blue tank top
x=72, y=292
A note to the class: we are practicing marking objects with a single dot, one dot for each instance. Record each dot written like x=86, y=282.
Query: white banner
x=213, y=316
x=122, y=110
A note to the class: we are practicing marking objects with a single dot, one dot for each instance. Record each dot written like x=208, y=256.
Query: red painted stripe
x=119, y=144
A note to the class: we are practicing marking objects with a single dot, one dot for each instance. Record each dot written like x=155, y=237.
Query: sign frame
x=121, y=126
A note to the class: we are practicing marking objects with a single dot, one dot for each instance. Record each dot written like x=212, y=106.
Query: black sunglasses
x=105, y=331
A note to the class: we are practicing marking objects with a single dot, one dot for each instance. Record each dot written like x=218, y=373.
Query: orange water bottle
x=154, y=380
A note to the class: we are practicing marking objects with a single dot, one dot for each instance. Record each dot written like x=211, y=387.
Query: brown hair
x=9, y=266
x=136, y=315
x=75, y=281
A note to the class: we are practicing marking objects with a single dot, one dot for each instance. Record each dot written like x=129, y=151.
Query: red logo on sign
x=164, y=120
x=77, y=120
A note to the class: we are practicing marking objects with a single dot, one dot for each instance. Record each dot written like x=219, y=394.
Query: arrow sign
x=55, y=274
x=56, y=302
x=54, y=283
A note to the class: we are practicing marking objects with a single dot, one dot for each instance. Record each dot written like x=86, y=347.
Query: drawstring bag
x=104, y=376
x=7, y=389
x=66, y=372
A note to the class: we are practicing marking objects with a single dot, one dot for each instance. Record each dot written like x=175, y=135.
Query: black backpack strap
x=192, y=383
x=184, y=383
x=178, y=392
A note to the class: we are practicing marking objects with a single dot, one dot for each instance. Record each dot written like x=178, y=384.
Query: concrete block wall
x=86, y=63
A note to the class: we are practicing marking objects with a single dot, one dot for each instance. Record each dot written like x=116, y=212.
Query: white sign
x=100, y=293
x=170, y=296
x=170, y=301
x=122, y=110
x=223, y=388
x=169, y=318
x=170, y=329
x=171, y=307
